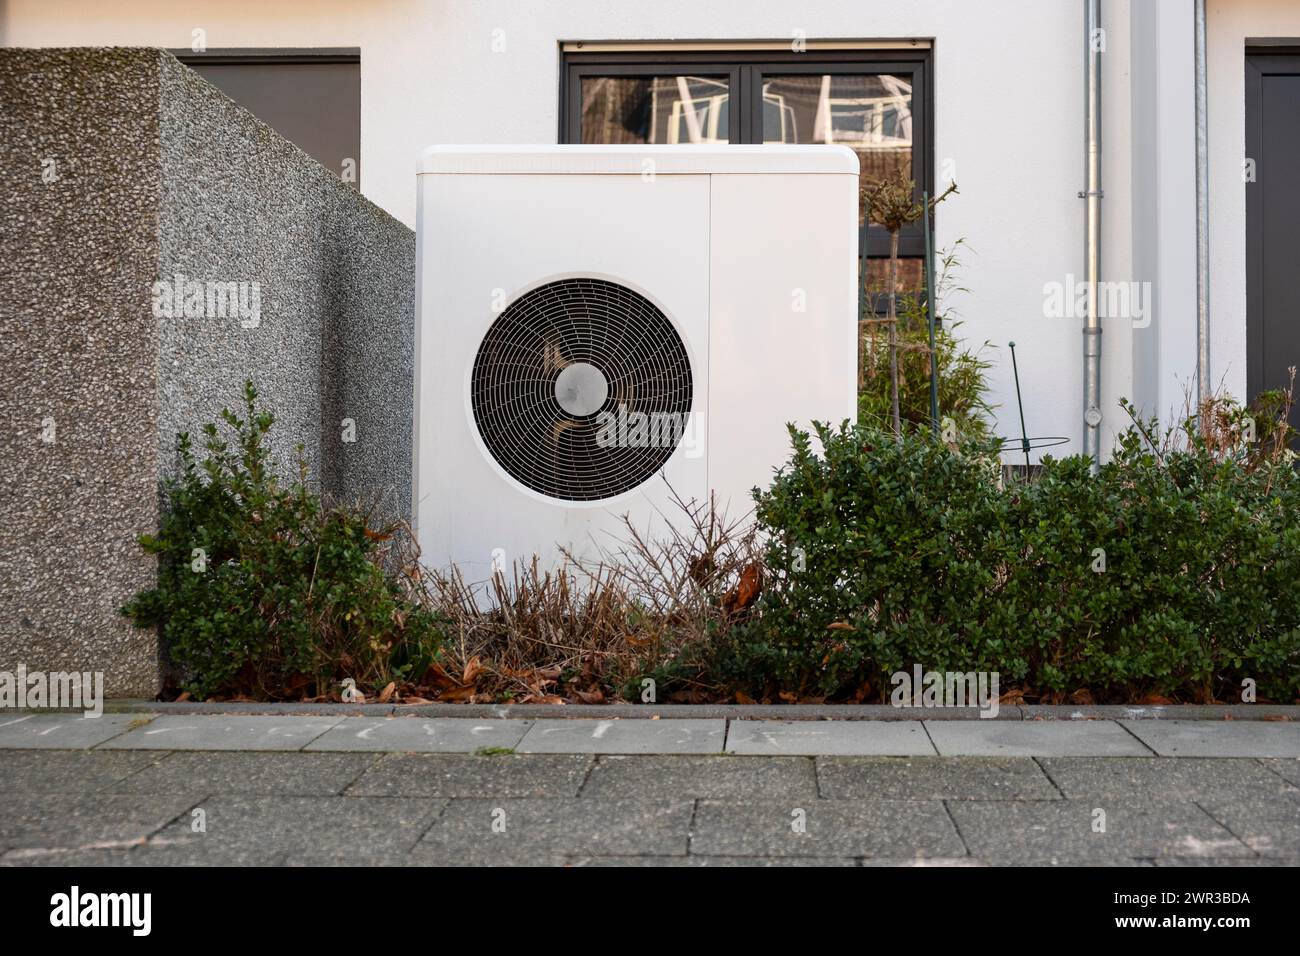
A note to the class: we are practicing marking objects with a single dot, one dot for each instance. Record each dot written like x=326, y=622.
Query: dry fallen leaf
x=438, y=676
x=457, y=694
x=751, y=584
x=746, y=590
x=743, y=698
x=386, y=694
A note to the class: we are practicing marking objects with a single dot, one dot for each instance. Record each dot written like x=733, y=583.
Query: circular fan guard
x=556, y=431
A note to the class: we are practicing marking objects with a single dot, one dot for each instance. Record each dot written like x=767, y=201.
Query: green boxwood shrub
x=1171, y=572
x=263, y=591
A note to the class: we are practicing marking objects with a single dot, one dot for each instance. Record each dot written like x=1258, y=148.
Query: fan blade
x=558, y=428
x=553, y=359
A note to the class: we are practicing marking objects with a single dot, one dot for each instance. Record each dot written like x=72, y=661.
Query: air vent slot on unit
x=581, y=389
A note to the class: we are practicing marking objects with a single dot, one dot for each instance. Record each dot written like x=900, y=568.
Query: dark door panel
x=1273, y=220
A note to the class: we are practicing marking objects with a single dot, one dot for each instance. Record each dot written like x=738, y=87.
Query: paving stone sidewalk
x=277, y=790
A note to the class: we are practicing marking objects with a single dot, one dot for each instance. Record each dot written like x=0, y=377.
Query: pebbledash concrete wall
x=123, y=170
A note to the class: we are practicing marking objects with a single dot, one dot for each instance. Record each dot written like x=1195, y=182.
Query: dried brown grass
x=593, y=629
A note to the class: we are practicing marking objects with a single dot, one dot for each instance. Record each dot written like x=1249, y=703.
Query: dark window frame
x=746, y=69
x=228, y=55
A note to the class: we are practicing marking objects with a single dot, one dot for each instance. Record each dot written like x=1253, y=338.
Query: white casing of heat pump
x=751, y=251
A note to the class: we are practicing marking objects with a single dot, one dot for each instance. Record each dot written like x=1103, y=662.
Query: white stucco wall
x=1008, y=82
x=1164, y=203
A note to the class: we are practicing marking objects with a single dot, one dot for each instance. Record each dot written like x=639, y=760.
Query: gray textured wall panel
x=239, y=204
x=160, y=174
x=337, y=285
x=78, y=346
x=369, y=356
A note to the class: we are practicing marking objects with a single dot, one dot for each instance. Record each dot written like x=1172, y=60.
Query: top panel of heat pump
x=684, y=160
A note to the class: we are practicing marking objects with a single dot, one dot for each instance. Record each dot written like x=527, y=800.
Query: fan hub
x=581, y=389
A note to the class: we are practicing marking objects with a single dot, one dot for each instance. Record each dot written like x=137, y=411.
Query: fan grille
x=556, y=431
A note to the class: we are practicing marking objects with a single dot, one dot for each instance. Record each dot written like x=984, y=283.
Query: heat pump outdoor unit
x=600, y=327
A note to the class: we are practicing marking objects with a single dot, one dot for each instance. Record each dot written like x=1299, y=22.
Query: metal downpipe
x=1203, y=384
x=1093, y=44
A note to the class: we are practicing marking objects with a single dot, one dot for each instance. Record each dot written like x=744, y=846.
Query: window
x=874, y=101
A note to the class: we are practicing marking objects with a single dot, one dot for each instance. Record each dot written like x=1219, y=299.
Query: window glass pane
x=656, y=109
x=869, y=112
x=911, y=282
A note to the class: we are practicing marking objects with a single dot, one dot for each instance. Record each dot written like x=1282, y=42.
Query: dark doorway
x=1272, y=219
x=312, y=98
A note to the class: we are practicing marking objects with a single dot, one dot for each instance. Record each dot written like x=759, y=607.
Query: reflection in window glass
x=911, y=281
x=871, y=113
x=655, y=109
